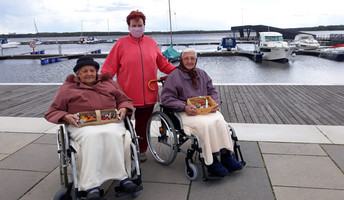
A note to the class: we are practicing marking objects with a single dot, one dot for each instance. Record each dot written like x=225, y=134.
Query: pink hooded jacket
x=136, y=62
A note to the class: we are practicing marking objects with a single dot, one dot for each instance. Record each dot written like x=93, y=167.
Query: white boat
x=6, y=43
x=305, y=41
x=37, y=41
x=92, y=40
x=273, y=47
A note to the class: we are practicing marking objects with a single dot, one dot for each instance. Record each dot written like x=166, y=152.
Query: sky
x=18, y=16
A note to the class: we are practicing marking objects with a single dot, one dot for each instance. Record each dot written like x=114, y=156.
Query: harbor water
x=300, y=69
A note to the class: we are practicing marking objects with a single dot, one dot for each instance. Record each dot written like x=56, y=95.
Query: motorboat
x=273, y=47
x=92, y=40
x=82, y=40
x=334, y=53
x=305, y=41
x=227, y=44
x=6, y=43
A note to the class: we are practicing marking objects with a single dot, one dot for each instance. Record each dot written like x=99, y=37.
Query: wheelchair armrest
x=168, y=109
x=234, y=136
x=173, y=115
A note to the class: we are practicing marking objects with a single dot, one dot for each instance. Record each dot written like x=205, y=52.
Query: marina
x=225, y=67
x=284, y=115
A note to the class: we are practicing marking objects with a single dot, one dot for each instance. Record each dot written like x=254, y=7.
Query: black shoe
x=231, y=163
x=127, y=185
x=217, y=169
x=94, y=195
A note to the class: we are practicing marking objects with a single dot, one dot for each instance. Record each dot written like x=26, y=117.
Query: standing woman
x=135, y=59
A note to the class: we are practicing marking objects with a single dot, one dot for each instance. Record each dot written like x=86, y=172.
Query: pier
x=332, y=55
x=267, y=104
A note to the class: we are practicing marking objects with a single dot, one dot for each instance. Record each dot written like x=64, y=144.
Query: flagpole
x=169, y=10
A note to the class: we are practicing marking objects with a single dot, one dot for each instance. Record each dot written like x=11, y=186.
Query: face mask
x=136, y=32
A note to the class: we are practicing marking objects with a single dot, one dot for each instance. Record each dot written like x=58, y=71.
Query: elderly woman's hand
x=215, y=109
x=122, y=113
x=190, y=110
x=71, y=119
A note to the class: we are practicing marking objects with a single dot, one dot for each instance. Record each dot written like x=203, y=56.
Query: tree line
x=85, y=34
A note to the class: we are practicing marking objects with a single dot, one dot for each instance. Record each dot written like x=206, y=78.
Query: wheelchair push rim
x=162, y=138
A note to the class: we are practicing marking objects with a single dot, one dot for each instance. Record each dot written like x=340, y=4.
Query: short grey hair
x=189, y=49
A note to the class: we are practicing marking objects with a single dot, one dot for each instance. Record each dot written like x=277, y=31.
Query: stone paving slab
x=251, y=154
x=249, y=183
x=280, y=133
x=289, y=193
x=2, y=156
x=47, y=139
x=12, y=142
x=336, y=152
x=303, y=171
x=157, y=191
x=334, y=133
x=25, y=124
x=291, y=149
x=15, y=184
x=53, y=130
x=34, y=157
x=45, y=189
x=173, y=173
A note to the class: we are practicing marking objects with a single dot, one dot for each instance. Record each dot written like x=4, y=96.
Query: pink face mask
x=136, y=32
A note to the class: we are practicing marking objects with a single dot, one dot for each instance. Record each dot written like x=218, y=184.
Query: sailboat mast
x=34, y=22
x=169, y=11
x=108, y=27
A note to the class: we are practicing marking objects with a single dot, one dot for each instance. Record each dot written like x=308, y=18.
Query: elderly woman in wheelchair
x=102, y=151
x=213, y=131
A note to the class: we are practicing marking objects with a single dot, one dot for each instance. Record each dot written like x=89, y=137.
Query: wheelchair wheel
x=62, y=157
x=191, y=171
x=162, y=138
x=62, y=195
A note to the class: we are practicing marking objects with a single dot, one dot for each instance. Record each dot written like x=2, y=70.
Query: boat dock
x=266, y=104
x=332, y=55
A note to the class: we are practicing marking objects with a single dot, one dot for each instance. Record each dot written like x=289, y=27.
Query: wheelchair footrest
x=212, y=177
x=120, y=193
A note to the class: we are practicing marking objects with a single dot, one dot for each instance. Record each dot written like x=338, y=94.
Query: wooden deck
x=266, y=104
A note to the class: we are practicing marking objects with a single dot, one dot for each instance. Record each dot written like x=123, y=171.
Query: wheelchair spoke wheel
x=162, y=138
x=63, y=157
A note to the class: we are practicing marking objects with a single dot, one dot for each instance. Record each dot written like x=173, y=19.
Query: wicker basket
x=98, y=117
x=203, y=104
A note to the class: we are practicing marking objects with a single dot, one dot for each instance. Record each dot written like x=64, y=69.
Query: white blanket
x=212, y=130
x=103, y=153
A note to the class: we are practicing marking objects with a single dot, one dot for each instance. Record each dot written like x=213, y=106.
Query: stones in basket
x=98, y=117
x=203, y=104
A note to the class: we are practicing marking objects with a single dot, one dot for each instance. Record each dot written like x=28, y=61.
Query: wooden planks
x=266, y=104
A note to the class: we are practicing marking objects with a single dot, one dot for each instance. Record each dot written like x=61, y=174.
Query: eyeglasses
x=191, y=59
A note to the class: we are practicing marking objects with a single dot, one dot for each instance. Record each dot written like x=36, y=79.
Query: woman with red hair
x=135, y=60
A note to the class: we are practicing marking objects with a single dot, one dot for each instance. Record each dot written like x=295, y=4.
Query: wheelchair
x=165, y=136
x=68, y=168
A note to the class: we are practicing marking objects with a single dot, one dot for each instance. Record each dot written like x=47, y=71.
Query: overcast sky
x=100, y=15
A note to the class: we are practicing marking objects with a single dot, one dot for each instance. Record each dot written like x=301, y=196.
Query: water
x=232, y=69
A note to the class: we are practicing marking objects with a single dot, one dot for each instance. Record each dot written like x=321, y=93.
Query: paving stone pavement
x=279, y=167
